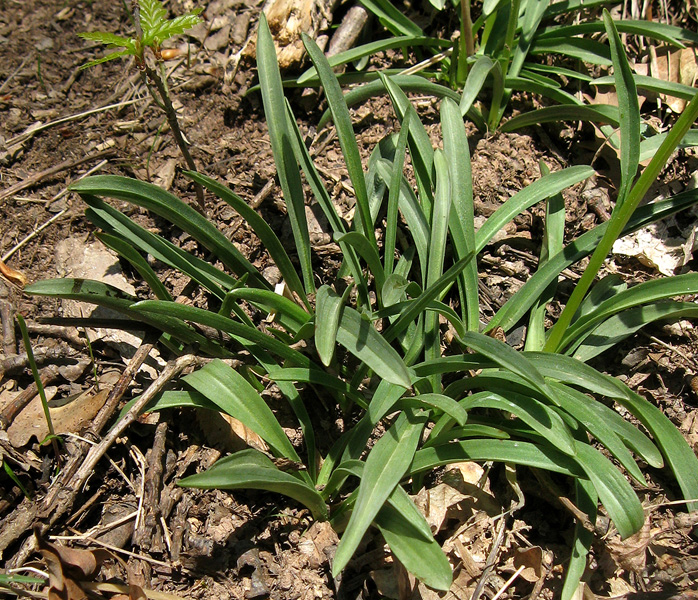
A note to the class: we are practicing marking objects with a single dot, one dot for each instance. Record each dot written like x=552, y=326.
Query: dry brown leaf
x=71, y=417
x=655, y=247
x=228, y=433
x=440, y=503
x=630, y=554
x=676, y=66
x=69, y=567
x=532, y=561
x=689, y=428
x=15, y=277
x=66, y=566
x=319, y=544
x=469, y=479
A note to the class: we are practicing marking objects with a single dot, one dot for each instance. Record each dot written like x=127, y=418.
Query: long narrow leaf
x=240, y=331
x=250, y=469
x=614, y=491
x=462, y=220
x=483, y=67
x=102, y=294
x=678, y=455
x=417, y=307
x=310, y=76
x=622, y=325
x=537, y=191
x=553, y=242
x=586, y=501
x=643, y=293
x=515, y=452
x=396, y=177
x=359, y=337
x=656, y=30
x=629, y=111
x=584, y=49
x=439, y=401
x=539, y=417
x=421, y=150
x=116, y=223
x=175, y=211
x=437, y=252
x=386, y=464
x=653, y=84
x=506, y=357
x=345, y=133
x=231, y=392
x=573, y=372
x=620, y=218
x=286, y=165
x=519, y=304
x=328, y=313
x=368, y=251
x=268, y=238
x=599, y=113
x=580, y=407
x=137, y=261
x=322, y=196
x=423, y=558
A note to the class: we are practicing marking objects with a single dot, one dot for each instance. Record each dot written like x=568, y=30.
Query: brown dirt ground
x=233, y=545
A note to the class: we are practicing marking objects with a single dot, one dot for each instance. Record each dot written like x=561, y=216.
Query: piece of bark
x=47, y=376
x=9, y=342
x=288, y=20
x=148, y=535
x=348, y=31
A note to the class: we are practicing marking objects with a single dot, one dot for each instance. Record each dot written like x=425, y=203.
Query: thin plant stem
x=166, y=103
x=39, y=385
x=92, y=358
x=467, y=48
x=162, y=99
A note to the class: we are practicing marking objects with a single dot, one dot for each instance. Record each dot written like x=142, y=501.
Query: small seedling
x=152, y=29
x=13, y=476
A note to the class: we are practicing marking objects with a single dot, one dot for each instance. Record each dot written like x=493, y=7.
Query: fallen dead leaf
x=630, y=554
x=319, y=544
x=440, y=503
x=532, y=561
x=655, y=248
x=70, y=417
x=676, y=66
x=16, y=277
x=228, y=433
x=689, y=426
x=69, y=567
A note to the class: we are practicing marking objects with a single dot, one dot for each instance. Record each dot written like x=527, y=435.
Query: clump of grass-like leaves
x=540, y=408
x=499, y=53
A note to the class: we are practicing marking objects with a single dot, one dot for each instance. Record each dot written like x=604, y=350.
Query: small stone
x=44, y=44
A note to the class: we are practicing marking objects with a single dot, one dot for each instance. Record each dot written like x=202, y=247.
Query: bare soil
x=54, y=128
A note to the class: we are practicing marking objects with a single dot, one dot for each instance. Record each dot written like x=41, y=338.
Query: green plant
x=39, y=385
x=8, y=581
x=503, y=46
x=152, y=27
x=376, y=346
